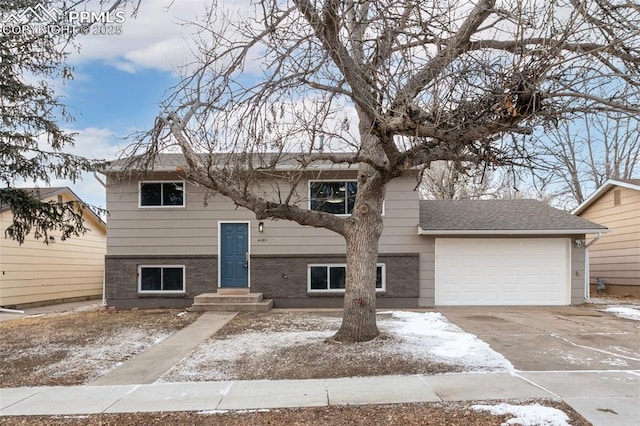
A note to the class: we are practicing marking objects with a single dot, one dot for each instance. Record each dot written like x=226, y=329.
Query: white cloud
x=97, y=144
x=165, y=55
x=153, y=39
x=159, y=37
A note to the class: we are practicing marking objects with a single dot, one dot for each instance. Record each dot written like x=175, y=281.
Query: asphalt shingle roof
x=631, y=181
x=41, y=193
x=284, y=161
x=498, y=215
x=50, y=192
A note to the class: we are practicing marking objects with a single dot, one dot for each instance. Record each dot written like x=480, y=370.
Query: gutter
x=104, y=266
x=100, y=181
x=587, y=278
x=595, y=240
x=509, y=231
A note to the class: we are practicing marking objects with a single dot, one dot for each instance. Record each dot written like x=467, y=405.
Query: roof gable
x=499, y=217
x=51, y=192
x=633, y=184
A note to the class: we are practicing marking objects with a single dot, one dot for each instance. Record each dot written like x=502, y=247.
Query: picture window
x=332, y=277
x=161, y=279
x=336, y=197
x=161, y=194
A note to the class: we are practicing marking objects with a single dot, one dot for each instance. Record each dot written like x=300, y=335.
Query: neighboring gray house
x=168, y=242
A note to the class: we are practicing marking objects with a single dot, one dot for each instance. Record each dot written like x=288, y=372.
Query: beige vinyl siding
x=577, y=269
x=427, y=272
x=193, y=229
x=36, y=272
x=616, y=257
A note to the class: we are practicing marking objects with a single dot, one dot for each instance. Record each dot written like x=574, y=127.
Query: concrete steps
x=231, y=300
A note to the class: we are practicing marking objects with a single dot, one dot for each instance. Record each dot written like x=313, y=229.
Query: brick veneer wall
x=280, y=277
x=121, y=280
x=283, y=278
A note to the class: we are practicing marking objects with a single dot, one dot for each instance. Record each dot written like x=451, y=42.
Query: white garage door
x=502, y=271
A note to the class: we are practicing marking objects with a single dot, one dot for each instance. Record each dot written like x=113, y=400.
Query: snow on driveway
x=430, y=334
x=628, y=312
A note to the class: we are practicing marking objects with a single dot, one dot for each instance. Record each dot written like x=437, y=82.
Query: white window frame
x=184, y=280
x=344, y=265
x=310, y=181
x=328, y=181
x=184, y=194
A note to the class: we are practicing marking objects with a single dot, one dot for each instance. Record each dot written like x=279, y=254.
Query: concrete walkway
x=151, y=364
x=602, y=397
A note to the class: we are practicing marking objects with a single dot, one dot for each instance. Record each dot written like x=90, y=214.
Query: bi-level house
x=169, y=241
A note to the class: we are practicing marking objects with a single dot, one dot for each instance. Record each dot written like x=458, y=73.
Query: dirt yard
x=76, y=348
x=431, y=414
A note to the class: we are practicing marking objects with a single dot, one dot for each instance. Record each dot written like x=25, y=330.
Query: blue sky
x=119, y=81
x=106, y=97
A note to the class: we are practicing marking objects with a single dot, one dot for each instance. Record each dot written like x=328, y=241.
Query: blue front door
x=234, y=255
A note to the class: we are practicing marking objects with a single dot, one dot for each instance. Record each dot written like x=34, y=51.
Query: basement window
x=161, y=279
x=332, y=278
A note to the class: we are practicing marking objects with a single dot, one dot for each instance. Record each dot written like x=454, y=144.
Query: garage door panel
x=502, y=271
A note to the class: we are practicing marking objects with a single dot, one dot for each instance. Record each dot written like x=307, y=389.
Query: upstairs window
x=336, y=197
x=161, y=194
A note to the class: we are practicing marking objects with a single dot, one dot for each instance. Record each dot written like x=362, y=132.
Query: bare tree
x=32, y=56
x=397, y=85
x=585, y=152
x=450, y=180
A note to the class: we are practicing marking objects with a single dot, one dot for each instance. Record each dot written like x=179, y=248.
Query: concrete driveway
x=554, y=338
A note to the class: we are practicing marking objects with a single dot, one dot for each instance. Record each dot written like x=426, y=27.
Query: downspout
x=587, y=292
x=11, y=311
x=104, y=267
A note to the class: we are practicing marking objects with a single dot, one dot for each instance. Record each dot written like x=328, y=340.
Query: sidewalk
x=151, y=364
x=603, y=398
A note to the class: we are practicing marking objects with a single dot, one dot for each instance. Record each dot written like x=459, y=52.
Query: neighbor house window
x=161, y=194
x=332, y=277
x=161, y=279
x=337, y=197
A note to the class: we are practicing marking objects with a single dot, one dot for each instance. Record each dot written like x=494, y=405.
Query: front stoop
x=231, y=302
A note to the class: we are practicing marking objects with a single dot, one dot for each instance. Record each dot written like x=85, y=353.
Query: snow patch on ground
x=101, y=356
x=430, y=334
x=416, y=335
x=217, y=356
x=627, y=312
x=527, y=415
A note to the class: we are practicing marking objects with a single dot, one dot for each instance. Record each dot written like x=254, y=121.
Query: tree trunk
x=362, y=234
